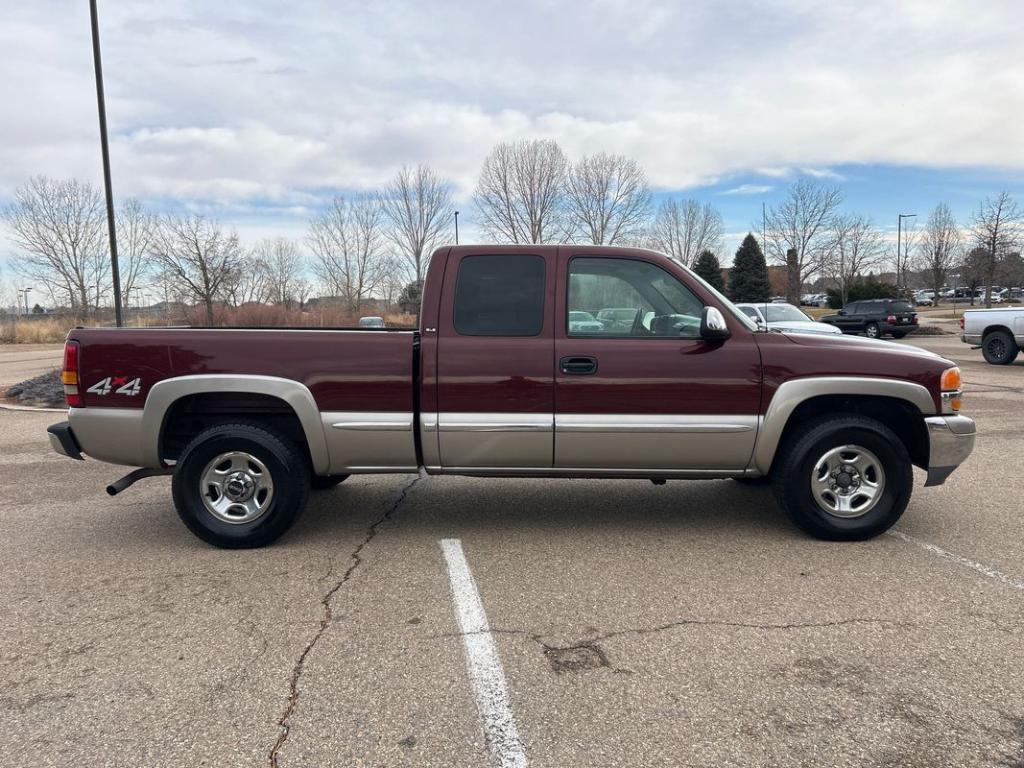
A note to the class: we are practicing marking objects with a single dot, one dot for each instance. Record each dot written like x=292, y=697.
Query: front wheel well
x=902, y=417
x=192, y=414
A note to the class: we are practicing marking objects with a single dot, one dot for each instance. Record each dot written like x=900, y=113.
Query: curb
x=37, y=408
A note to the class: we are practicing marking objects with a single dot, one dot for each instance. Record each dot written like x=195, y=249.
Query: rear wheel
x=999, y=348
x=240, y=485
x=844, y=478
x=871, y=331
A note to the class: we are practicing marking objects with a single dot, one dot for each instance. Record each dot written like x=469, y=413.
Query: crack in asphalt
x=355, y=560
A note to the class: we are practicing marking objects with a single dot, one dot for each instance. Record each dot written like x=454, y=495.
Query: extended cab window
x=500, y=296
x=626, y=297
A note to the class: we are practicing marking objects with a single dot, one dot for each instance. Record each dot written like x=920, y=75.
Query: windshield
x=732, y=308
x=780, y=313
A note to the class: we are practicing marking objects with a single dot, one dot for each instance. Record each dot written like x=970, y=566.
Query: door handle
x=578, y=366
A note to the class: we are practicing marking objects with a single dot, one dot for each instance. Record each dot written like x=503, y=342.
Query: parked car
x=619, y=319
x=371, y=322
x=998, y=332
x=495, y=383
x=875, y=318
x=785, y=318
x=924, y=298
x=584, y=322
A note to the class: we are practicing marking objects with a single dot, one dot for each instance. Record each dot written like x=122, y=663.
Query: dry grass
x=53, y=330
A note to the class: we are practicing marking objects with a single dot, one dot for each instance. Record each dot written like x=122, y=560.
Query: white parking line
x=981, y=568
x=485, y=673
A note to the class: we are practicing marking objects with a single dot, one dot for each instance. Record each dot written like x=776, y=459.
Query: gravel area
x=44, y=390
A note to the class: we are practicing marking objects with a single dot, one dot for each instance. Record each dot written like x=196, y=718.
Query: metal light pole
x=899, y=240
x=26, y=291
x=456, y=227
x=108, y=188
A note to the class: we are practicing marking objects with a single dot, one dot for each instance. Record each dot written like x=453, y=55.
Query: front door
x=495, y=383
x=636, y=387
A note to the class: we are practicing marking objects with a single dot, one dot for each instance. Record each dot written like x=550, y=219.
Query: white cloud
x=749, y=189
x=271, y=102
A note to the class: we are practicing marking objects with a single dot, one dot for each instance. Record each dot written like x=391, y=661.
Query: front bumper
x=64, y=442
x=950, y=442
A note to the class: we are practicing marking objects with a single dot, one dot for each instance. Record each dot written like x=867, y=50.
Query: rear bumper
x=903, y=328
x=63, y=441
x=950, y=442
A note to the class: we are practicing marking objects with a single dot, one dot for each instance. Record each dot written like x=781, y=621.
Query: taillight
x=961, y=322
x=891, y=319
x=69, y=376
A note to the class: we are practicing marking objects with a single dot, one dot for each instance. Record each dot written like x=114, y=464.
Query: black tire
x=795, y=465
x=899, y=335
x=326, y=482
x=999, y=348
x=871, y=331
x=288, y=468
x=754, y=481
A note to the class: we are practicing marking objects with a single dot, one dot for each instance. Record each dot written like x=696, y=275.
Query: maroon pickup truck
x=535, y=361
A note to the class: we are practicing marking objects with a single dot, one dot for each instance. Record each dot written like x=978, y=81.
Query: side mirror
x=712, y=325
x=841, y=312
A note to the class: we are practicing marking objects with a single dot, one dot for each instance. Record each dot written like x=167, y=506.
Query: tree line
x=376, y=244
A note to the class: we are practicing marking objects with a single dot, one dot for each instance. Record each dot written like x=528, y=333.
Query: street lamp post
x=26, y=291
x=105, y=149
x=456, y=227
x=900, y=272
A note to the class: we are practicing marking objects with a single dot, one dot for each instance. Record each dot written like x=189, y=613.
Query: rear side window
x=500, y=296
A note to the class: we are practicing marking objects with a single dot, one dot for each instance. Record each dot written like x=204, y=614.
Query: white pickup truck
x=999, y=332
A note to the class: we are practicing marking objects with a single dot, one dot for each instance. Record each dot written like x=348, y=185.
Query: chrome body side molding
x=368, y=442
x=791, y=393
x=494, y=439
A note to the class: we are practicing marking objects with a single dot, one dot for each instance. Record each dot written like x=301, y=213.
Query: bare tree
x=940, y=248
x=348, y=243
x=135, y=227
x=198, y=256
x=59, y=227
x=521, y=192
x=248, y=281
x=607, y=199
x=856, y=246
x=683, y=229
x=418, y=205
x=283, y=265
x=802, y=223
x=997, y=228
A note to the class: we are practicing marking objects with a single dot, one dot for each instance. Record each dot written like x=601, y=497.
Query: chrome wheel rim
x=236, y=487
x=847, y=481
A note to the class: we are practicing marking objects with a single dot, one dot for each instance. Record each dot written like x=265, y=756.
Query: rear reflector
x=69, y=376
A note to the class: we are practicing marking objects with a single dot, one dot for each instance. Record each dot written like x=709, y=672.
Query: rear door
x=495, y=382
x=648, y=394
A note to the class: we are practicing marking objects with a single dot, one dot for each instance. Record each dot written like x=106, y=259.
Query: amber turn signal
x=950, y=381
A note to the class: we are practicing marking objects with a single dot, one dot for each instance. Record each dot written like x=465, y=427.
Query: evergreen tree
x=707, y=266
x=748, y=278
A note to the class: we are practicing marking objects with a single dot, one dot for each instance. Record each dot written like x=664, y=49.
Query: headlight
x=951, y=384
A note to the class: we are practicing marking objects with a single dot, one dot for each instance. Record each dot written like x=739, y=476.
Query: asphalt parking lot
x=636, y=625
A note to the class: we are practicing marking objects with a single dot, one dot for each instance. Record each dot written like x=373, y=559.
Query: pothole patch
x=576, y=658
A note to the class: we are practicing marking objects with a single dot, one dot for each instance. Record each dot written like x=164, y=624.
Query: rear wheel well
x=192, y=414
x=902, y=417
x=994, y=328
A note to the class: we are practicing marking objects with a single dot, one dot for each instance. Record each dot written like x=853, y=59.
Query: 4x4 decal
x=120, y=385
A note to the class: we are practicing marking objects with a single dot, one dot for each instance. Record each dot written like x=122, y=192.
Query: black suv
x=875, y=318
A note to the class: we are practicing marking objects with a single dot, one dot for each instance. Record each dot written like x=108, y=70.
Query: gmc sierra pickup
x=517, y=369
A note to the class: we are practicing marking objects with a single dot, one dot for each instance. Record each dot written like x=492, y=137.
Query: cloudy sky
x=257, y=112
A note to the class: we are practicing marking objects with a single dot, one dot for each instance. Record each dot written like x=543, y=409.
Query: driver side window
x=629, y=298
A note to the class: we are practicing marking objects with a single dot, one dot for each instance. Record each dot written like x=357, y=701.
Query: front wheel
x=871, y=331
x=239, y=485
x=999, y=348
x=844, y=478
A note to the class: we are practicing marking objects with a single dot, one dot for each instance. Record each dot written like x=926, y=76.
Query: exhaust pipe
x=133, y=477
